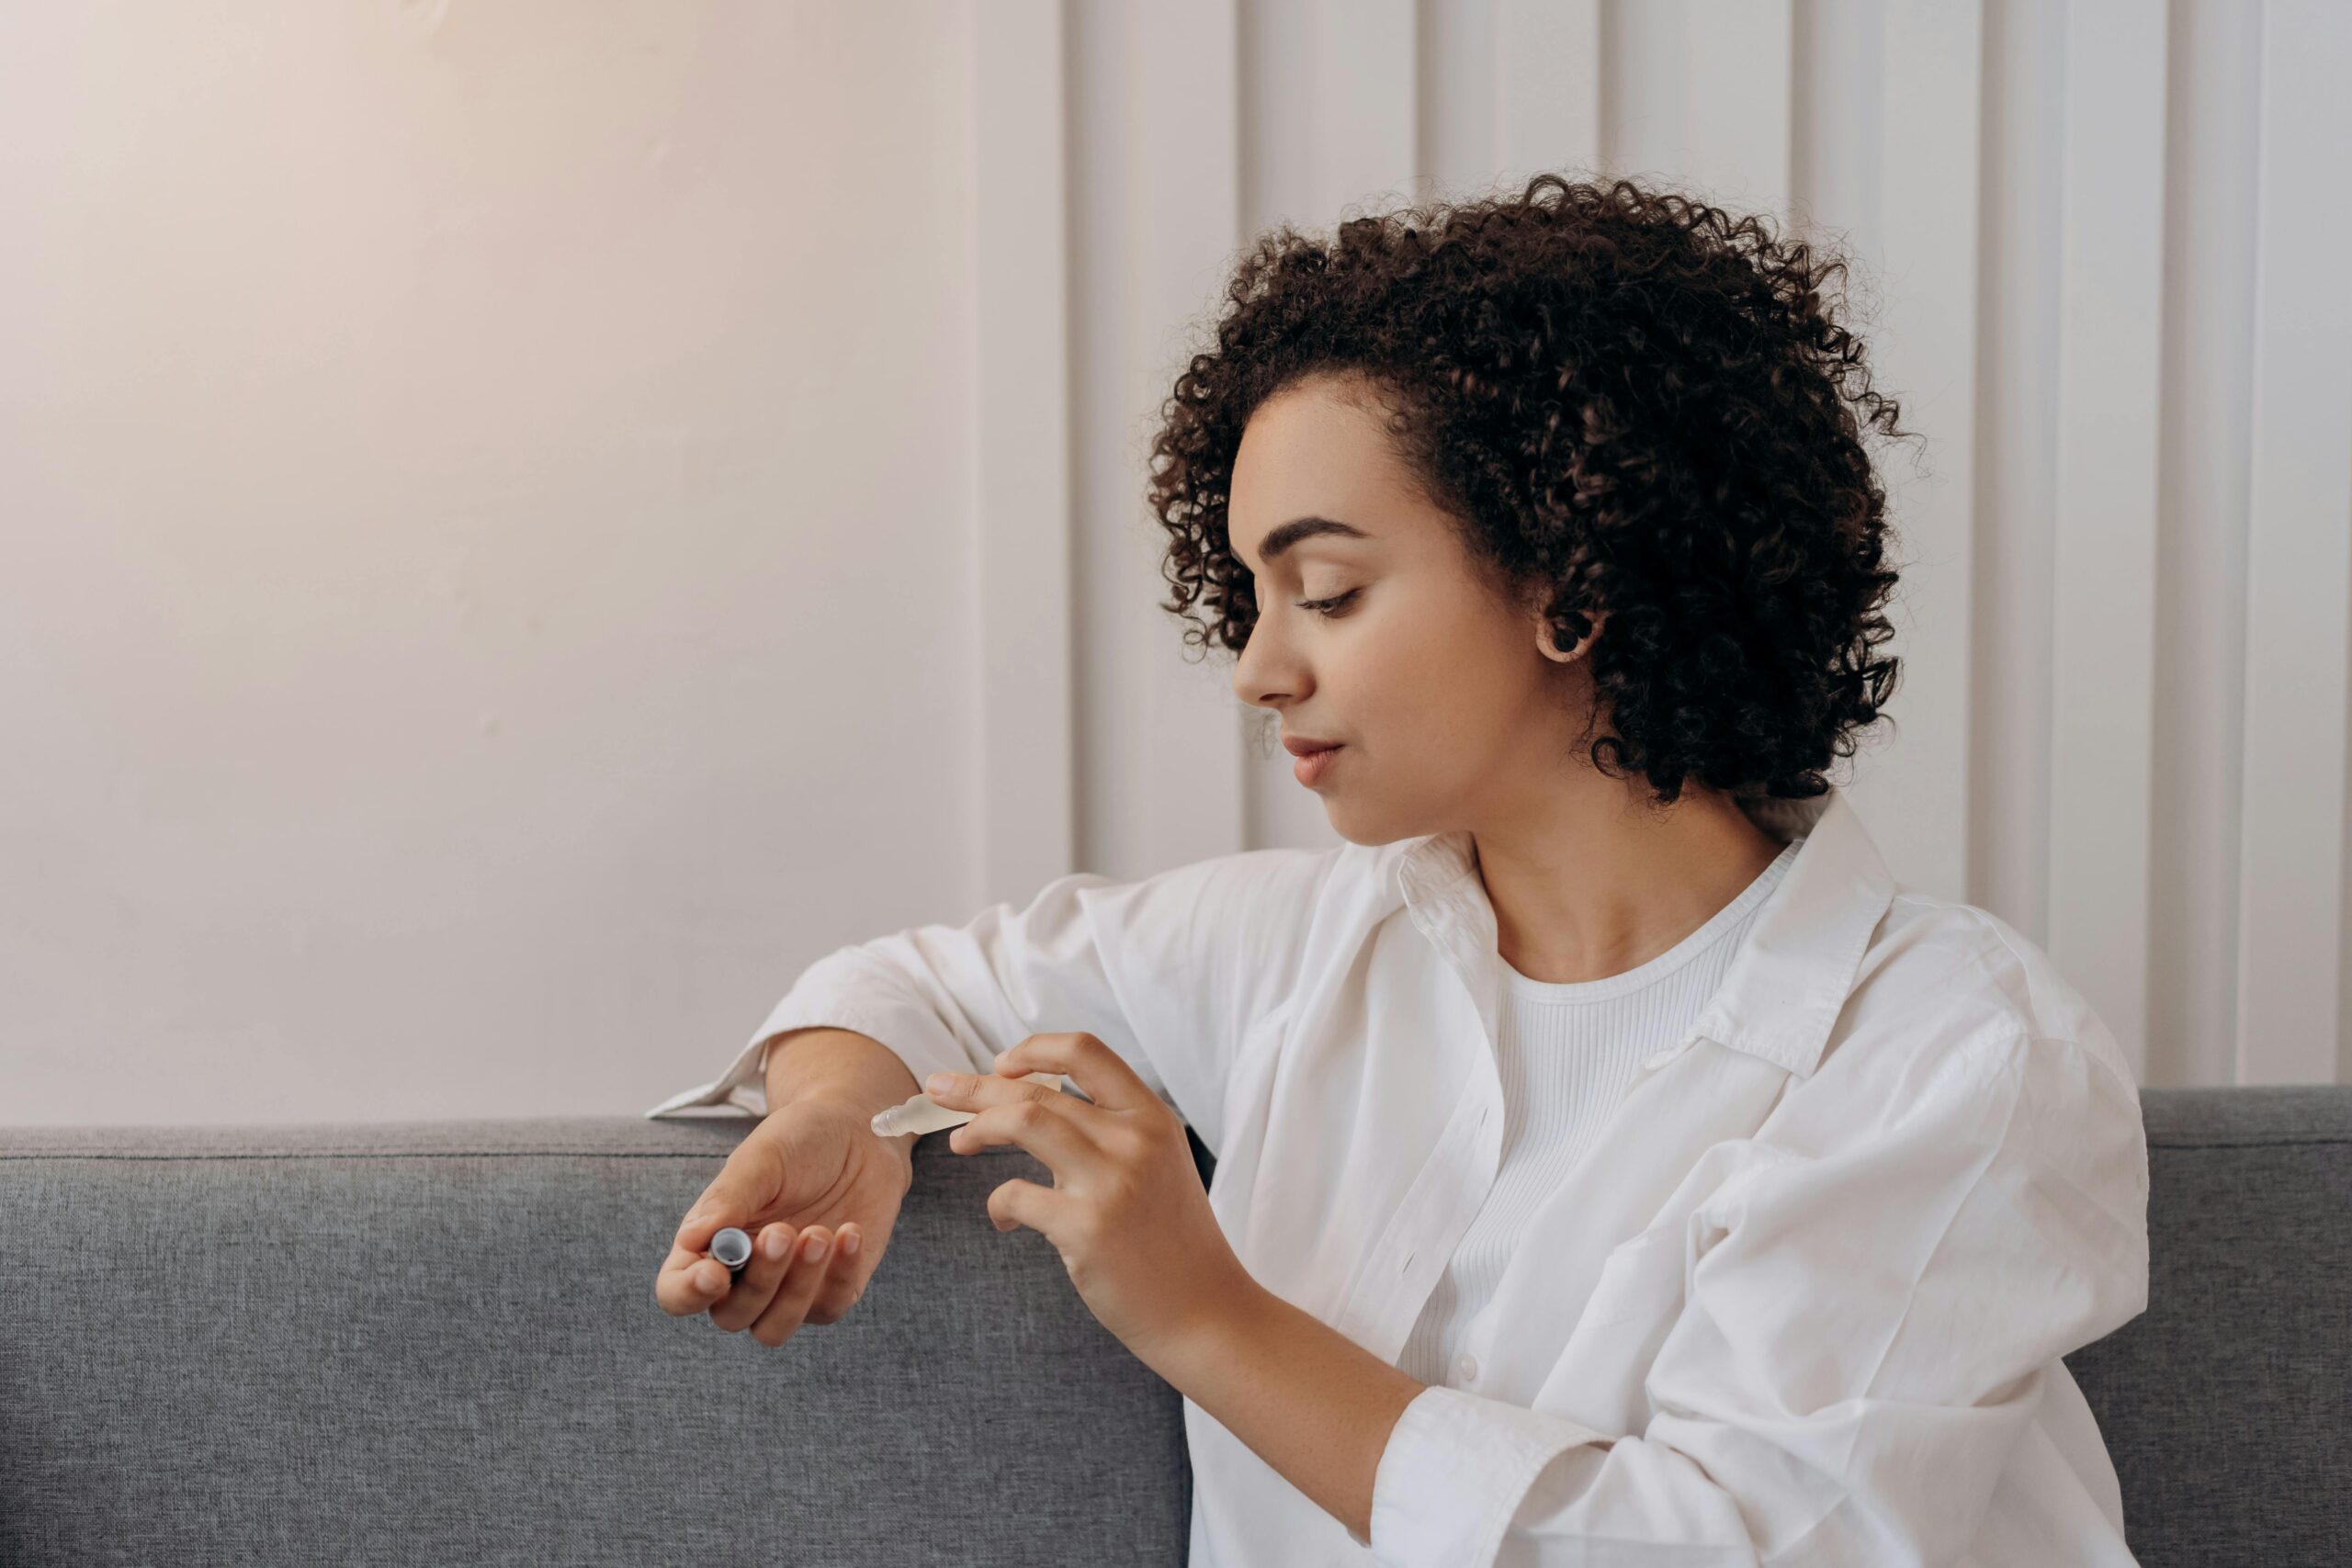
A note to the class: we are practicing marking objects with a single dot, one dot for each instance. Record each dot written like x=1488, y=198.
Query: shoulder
x=1941, y=973
x=1964, y=1055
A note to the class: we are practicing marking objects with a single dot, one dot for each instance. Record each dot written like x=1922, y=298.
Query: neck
x=1602, y=884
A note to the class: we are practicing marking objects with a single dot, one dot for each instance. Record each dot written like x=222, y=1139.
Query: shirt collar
x=1790, y=979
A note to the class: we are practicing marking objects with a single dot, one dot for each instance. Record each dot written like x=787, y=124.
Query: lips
x=1298, y=747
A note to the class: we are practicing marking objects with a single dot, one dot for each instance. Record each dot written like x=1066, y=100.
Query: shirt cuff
x=907, y=1029
x=1453, y=1473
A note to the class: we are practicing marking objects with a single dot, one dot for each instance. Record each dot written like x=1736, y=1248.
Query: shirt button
x=1466, y=1368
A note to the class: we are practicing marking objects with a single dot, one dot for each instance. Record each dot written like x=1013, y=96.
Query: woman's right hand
x=812, y=1172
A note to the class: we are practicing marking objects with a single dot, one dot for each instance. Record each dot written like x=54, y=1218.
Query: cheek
x=1433, y=696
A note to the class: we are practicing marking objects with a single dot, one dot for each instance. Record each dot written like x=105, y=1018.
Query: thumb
x=731, y=1199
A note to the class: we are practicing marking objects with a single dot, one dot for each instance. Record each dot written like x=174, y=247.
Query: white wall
x=525, y=525
x=485, y=492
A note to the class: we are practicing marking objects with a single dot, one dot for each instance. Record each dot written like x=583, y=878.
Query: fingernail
x=849, y=1244
x=775, y=1244
x=938, y=1083
x=816, y=1249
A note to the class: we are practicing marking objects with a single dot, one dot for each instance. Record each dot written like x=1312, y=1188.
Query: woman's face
x=1449, y=711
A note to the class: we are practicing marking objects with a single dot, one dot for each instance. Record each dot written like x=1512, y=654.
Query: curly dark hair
x=1627, y=402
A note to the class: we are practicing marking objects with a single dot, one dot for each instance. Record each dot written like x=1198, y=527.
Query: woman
x=1614, y=1164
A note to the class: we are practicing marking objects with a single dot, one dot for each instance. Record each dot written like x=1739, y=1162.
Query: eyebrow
x=1278, y=542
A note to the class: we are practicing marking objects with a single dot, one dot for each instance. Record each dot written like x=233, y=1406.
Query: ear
x=1548, y=633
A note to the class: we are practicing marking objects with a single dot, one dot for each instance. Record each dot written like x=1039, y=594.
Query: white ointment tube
x=924, y=1114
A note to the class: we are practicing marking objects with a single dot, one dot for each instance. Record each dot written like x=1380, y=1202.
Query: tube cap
x=732, y=1247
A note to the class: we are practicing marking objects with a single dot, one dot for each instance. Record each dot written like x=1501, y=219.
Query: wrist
x=800, y=1113
x=839, y=1065
x=1207, y=1336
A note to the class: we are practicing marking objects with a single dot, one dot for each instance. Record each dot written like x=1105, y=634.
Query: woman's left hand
x=1126, y=1209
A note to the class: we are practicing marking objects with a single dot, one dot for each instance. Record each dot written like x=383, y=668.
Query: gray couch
x=437, y=1343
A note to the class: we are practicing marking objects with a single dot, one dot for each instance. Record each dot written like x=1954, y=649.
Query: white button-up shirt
x=1804, y=1298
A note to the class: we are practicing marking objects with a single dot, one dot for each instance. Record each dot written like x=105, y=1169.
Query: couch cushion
x=2227, y=1405
x=437, y=1341
x=404, y=1343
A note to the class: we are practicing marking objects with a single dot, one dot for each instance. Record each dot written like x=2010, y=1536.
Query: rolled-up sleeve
x=1168, y=971
x=1867, y=1326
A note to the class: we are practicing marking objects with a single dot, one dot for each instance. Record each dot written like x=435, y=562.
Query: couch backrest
x=407, y=1343
x=413, y=1342
x=2227, y=1405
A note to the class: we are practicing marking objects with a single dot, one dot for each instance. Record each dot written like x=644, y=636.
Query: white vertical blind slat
x=2111, y=284
x=1154, y=170
x=2298, y=580
x=1741, y=59
x=1028, y=760
x=1335, y=121
x=1547, y=88
x=1924, y=353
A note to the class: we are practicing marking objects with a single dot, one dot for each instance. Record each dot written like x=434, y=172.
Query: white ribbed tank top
x=1566, y=1054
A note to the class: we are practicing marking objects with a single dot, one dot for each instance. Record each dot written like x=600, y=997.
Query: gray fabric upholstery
x=405, y=1343
x=428, y=1344
x=2227, y=1404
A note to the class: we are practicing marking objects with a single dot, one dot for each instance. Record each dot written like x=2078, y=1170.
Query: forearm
x=840, y=1064
x=1304, y=1397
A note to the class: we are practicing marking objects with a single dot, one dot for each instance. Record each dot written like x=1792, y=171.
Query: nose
x=1261, y=674
x=1245, y=669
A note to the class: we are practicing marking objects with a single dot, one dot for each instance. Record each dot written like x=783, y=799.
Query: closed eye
x=1329, y=608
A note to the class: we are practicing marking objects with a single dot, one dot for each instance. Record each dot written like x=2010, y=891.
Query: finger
x=1018, y=1204
x=784, y=1314
x=1055, y=1136
x=757, y=1284
x=1101, y=1073
x=731, y=1199
x=847, y=1268
x=969, y=1092
x=688, y=1281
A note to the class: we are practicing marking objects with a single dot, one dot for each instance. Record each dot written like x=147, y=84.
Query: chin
x=1349, y=826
